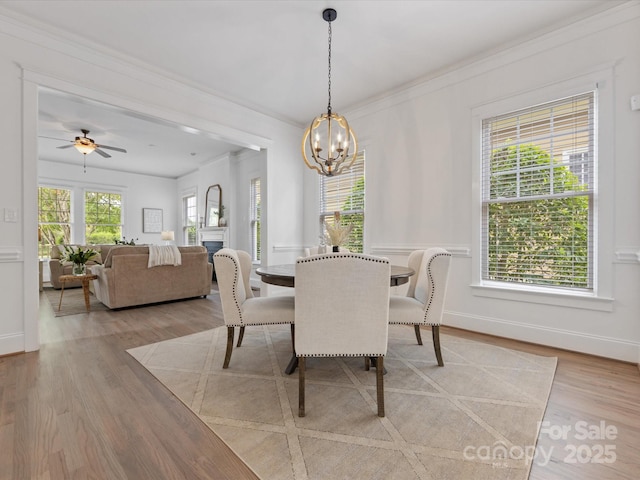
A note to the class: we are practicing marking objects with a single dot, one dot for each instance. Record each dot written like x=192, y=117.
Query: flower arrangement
x=338, y=234
x=77, y=255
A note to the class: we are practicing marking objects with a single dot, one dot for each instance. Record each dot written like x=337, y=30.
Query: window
x=255, y=207
x=344, y=193
x=189, y=219
x=54, y=218
x=102, y=217
x=538, y=189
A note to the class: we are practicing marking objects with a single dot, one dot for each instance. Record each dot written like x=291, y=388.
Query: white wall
x=422, y=175
x=30, y=58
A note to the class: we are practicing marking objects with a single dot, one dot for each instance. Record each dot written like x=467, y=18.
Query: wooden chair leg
x=380, y=384
x=301, y=373
x=240, y=336
x=227, y=355
x=293, y=338
x=418, y=335
x=435, y=332
x=367, y=362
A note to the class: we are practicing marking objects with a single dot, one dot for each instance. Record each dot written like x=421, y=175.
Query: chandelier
x=326, y=143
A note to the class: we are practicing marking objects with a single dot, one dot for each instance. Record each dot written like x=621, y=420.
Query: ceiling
x=270, y=56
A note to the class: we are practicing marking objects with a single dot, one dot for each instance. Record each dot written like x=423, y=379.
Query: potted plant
x=337, y=233
x=79, y=257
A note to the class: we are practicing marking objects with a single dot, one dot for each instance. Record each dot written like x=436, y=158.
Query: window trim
x=103, y=190
x=255, y=220
x=601, y=297
x=184, y=213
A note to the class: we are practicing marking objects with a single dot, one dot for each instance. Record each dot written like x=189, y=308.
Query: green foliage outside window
x=103, y=217
x=541, y=241
x=54, y=218
x=355, y=201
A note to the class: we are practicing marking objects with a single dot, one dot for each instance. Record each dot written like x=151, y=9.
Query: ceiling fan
x=87, y=145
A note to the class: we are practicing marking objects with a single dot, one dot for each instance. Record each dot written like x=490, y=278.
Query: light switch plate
x=11, y=215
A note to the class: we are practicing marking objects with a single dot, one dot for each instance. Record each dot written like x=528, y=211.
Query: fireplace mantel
x=214, y=234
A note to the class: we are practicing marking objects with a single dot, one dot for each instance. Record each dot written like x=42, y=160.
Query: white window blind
x=255, y=219
x=344, y=193
x=538, y=191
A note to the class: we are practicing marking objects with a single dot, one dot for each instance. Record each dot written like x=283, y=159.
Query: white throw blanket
x=164, y=255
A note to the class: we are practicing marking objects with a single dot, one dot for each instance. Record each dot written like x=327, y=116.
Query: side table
x=86, y=279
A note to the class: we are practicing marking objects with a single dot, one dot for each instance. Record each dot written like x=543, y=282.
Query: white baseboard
x=12, y=343
x=553, y=337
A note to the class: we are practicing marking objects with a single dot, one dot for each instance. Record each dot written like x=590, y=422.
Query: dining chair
x=239, y=307
x=424, y=302
x=342, y=309
x=322, y=249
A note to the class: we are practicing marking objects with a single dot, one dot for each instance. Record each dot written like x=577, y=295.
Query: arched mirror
x=213, y=201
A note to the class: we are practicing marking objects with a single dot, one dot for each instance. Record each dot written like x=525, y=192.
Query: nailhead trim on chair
x=433, y=286
x=316, y=258
x=341, y=355
x=235, y=286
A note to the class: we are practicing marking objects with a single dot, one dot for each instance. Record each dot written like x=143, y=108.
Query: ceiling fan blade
x=100, y=152
x=65, y=146
x=55, y=138
x=112, y=148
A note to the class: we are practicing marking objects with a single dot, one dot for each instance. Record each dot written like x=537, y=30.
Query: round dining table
x=285, y=276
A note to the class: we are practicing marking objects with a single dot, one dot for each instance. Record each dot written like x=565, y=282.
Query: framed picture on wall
x=151, y=220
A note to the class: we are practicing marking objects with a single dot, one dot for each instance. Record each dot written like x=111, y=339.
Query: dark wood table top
x=284, y=275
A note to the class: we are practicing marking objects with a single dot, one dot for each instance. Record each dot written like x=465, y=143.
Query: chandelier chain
x=329, y=71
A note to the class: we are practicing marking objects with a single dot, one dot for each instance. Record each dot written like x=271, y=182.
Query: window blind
x=344, y=193
x=538, y=186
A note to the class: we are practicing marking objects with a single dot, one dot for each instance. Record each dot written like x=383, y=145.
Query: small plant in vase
x=79, y=257
x=337, y=233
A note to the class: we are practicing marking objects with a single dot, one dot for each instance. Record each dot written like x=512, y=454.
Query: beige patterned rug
x=475, y=418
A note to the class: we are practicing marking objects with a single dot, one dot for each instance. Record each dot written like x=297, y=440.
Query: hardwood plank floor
x=82, y=408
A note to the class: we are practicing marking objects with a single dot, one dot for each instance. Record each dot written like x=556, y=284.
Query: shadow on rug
x=72, y=302
x=476, y=417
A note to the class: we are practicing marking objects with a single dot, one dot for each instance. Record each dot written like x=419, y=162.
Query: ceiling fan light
x=82, y=148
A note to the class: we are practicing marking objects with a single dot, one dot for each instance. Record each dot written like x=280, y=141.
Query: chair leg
x=418, y=335
x=301, y=373
x=240, y=336
x=367, y=362
x=227, y=355
x=293, y=338
x=380, y=384
x=435, y=332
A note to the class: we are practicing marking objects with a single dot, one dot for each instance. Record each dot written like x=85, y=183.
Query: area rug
x=72, y=301
x=476, y=417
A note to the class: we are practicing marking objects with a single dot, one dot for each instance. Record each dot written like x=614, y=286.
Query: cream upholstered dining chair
x=322, y=249
x=240, y=308
x=424, y=302
x=342, y=309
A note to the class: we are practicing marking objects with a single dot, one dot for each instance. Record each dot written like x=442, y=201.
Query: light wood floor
x=82, y=408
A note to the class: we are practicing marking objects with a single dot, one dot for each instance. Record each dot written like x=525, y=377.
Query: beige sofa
x=125, y=280
x=56, y=268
